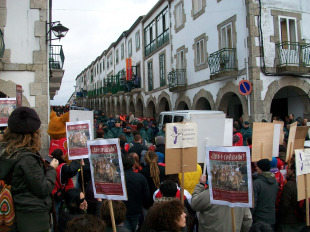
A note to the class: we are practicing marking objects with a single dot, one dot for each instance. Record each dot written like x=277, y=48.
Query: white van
x=213, y=127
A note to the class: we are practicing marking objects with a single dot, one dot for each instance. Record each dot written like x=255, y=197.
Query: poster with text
x=181, y=135
x=77, y=135
x=229, y=175
x=302, y=157
x=7, y=106
x=106, y=167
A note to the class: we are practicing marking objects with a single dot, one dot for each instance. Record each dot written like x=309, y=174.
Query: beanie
x=264, y=165
x=24, y=120
x=160, y=140
x=274, y=162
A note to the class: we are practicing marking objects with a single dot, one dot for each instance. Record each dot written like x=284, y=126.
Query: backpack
x=300, y=210
x=7, y=212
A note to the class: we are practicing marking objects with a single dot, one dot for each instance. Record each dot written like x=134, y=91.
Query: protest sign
x=106, y=167
x=7, y=106
x=181, y=135
x=290, y=141
x=266, y=137
x=229, y=175
x=77, y=135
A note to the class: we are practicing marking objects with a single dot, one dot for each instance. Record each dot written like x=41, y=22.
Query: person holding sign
x=217, y=218
x=288, y=220
x=265, y=188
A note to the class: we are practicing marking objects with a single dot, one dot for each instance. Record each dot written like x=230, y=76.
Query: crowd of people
x=41, y=188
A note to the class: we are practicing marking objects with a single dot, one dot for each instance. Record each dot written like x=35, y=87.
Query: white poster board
x=181, y=135
x=7, y=106
x=228, y=132
x=77, y=135
x=106, y=167
x=81, y=115
x=229, y=175
x=302, y=158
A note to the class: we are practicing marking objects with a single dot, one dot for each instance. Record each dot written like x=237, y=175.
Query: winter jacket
x=137, y=148
x=66, y=215
x=129, y=137
x=265, y=189
x=217, y=218
x=160, y=148
x=191, y=179
x=146, y=172
x=137, y=191
x=31, y=184
x=117, y=131
x=144, y=134
x=246, y=133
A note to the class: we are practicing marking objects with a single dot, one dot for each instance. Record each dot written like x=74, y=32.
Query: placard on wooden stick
x=265, y=141
x=181, y=140
x=281, y=131
x=290, y=141
x=301, y=133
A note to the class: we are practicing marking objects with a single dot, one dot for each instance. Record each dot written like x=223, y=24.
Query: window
x=150, y=75
x=100, y=67
x=226, y=36
x=162, y=69
x=288, y=32
x=179, y=15
x=180, y=60
x=109, y=61
x=200, y=55
x=122, y=51
x=130, y=47
x=162, y=28
x=197, y=5
x=137, y=39
x=116, y=56
x=150, y=36
x=103, y=64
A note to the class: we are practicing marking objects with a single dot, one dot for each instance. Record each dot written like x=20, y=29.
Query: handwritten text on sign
x=181, y=135
x=302, y=161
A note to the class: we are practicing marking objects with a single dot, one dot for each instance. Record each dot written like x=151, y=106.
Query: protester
x=246, y=132
x=31, y=180
x=131, y=117
x=117, y=130
x=111, y=122
x=287, y=218
x=280, y=179
x=85, y=223
x=128, y=134
x=265, y=188
x=142, y=131
x=167, y=216
x=162, y=132
x=137, y=146
x=137, y=192
x=237, y=136
x=191, y=179
x=153, y=172
x=136, y=167
x=75, y=205
x=119, y=210
x=217, y=218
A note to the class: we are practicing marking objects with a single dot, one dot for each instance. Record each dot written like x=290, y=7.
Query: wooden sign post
x=181, y=150
x=112, y=215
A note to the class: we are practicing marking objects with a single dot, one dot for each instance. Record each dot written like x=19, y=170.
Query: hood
x=268, y=177
x=8, y=161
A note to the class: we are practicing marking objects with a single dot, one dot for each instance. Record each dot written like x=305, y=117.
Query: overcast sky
x=93, y=26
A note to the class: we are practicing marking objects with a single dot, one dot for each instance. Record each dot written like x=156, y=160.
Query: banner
x=229, y=176
x=7, y=106
x=181, y=135
x=77, y=135
x=128, y=69
x=106, y=167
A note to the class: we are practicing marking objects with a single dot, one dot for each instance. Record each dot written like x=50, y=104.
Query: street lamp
x=58, y=30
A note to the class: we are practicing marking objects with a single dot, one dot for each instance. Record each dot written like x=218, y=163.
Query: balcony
x=293, y=58
x=155, y=44
x=56, y=61
x=177, y=80
x=223, y=63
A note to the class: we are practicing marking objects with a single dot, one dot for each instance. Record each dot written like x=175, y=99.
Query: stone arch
x=181, y=102
x=302, y=87
x=9, y=89
x=124, y=106
x=132, y=106
x=151, y=107
x=224, y=96
x=139, y=106
x=203, y=96
x=164, y=102
x=118, y=108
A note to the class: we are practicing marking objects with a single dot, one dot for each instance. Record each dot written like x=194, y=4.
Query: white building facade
x=195, y=54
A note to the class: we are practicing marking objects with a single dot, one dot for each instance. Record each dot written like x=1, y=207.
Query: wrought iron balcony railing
x=56, y=57
x=177, y=78
x=2, y=45
x=156, y=43
x=222, y=60
x=293, y=54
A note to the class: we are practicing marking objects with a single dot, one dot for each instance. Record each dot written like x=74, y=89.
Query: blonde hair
x=151, y=159
x=31, y=141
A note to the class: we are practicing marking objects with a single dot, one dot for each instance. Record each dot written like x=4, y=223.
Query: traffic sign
x=245, y=87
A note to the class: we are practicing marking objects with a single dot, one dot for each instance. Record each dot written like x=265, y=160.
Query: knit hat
x=160, y=140
x=264, y=165
x=246, y=123
x=24, y=120
x=274, y=162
